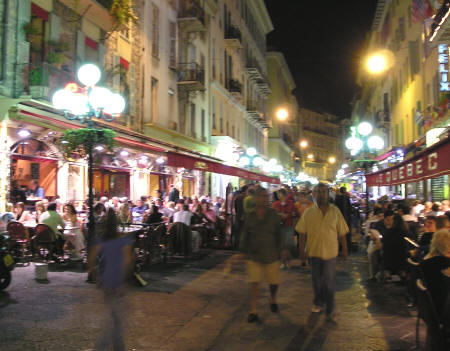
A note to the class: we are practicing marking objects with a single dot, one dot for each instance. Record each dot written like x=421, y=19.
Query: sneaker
x=252, y=318
x=316, y=309
x=274, y=307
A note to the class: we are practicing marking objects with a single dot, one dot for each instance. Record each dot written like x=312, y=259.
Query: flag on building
x=420, y=10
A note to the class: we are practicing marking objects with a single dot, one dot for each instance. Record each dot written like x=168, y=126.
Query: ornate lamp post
x=84, y=104
x=362, y=141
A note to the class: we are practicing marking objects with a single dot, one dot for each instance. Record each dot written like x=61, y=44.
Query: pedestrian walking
x=115, y=262
x=261, y=245
x=320, y=227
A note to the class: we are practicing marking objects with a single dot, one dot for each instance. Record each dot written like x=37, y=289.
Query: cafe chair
x=182, y=238
x=44, y=241
x=18, y=238
x=427, y=312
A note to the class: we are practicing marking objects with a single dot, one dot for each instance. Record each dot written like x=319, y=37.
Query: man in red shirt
x=288, y=211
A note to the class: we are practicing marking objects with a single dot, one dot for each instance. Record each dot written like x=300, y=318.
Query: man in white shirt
x=320, y=227
x=183, y=216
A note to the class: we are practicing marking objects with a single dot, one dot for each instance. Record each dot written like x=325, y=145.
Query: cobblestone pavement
x=202, y=305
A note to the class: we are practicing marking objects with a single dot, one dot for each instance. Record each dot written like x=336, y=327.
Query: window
x=39, y=21
x=214, y=58
x=401, y=28
x=154, y=99
x=214, y=111
x=435, y=90
x=173, y=44
x=414, y=57
x=155, y=31
x=90, y=50
x=221, y=117
x=203, y=126
x=193, y=120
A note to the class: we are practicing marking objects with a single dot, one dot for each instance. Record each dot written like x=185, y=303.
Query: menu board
x=35, y=171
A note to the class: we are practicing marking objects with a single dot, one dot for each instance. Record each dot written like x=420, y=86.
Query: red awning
x=430, y=163
x=180, y=160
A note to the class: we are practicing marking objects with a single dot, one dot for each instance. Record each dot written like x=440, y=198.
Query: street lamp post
x=361, y=140
x=84, y=104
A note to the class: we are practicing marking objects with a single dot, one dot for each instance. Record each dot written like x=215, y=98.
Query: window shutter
x=55, y=26
x=101, y=54
x=23, y=15
x=116, y=78
x=80, y=46
x=132, y=97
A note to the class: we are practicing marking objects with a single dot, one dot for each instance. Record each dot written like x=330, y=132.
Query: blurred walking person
x=115, y=262
x=261, y=245
x=320, y=227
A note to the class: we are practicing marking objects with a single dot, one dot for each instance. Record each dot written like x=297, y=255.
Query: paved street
x=202, y=305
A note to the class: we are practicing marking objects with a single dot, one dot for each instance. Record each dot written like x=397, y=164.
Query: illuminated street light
x=304, y=144
x=332, y=159
x=377, y=63
x=310, y=156
x=354, y=144
x=251, y=151
x=282, y=114
x=365, y=128
x=375, y=142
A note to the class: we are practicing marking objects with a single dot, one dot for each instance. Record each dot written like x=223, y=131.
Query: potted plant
x=37, y=83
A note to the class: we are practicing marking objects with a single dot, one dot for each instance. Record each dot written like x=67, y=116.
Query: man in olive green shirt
x=249, y=201
x=261, y=244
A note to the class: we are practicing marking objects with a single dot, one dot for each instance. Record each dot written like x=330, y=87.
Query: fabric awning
x=432, y=162
x=189, y=162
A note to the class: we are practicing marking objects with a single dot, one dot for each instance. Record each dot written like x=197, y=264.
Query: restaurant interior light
x=124, y=153
x=89, y=74
x=23, y=133
x=159, y=160
x=99, y=147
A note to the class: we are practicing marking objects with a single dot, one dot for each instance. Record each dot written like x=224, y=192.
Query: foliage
x=56, y=58
x=29, y=29
x=59, y=45
x=78, y=141
x=35, y=77
x=122, y=11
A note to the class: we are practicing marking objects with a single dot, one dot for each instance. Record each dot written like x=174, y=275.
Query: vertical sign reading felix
x=444, y=84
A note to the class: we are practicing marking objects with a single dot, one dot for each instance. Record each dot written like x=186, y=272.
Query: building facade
x=193, y=74
x=322, y=153
x=409, y=100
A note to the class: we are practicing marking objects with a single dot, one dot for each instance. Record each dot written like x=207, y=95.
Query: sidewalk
x=202, y=305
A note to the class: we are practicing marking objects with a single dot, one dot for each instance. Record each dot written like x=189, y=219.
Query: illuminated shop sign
x=444, y=84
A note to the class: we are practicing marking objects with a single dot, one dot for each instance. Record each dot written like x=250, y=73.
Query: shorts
x=258, y=271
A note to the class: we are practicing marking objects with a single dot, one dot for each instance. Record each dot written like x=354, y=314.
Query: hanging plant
x=78, y=141
x=122, y=12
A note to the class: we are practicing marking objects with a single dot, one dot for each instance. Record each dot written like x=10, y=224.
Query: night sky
x=322, y=42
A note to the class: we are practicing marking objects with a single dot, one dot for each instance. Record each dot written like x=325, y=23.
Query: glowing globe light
x=62, y=99
x=89, y=74
x=377, y=63
x=251, y=151
x=79, y=104
x=365, y=128
x=278, y=168
x=100, y=97
x=116, y=105
x=273, y=161
x=282, y=114
x=244, y=161
x=375, y=142
x=258, y=161
x=354, y=144
x=332, y=159
x=303, y=144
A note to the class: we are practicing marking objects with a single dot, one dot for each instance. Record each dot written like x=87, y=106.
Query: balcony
x=191, y=16
x=41, y=79
x=255, y=114
x=233, y=37
x=235, y=88
x=95, y=11
x=256, y=74
x=191, y=77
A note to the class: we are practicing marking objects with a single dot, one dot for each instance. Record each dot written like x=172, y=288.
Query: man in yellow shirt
x=320, y=227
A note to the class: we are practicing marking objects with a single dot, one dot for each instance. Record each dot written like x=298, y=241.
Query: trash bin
x=40, y=271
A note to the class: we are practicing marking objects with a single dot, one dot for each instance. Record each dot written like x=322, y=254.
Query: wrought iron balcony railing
x=191, y=76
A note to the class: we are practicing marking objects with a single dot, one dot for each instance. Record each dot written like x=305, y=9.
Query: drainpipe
x=14, y=93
